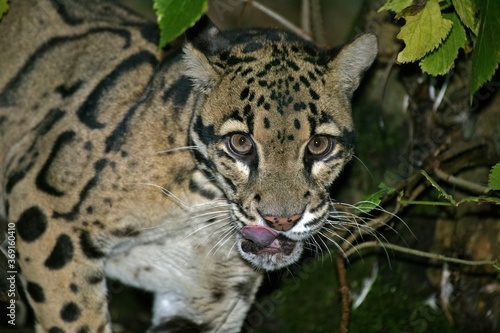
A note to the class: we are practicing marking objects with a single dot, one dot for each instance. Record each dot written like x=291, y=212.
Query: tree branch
x=419, y=253
x=317, y=23
x=345, y=294
x=271, y=13
x=462, y=183
x=305, y=17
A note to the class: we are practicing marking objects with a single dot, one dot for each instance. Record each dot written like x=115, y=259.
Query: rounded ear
x=353, y=59
x=203, y=44
x=199, y=69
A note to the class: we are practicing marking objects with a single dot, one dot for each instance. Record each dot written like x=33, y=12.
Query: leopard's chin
x=280, y=253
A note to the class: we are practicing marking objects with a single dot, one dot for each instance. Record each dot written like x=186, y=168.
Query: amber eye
x=320, y=145
x=240, y=144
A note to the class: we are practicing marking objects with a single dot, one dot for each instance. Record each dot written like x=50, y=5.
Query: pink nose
x=282, y=223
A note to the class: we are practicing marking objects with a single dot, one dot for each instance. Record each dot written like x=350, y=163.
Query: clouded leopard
x=186, y=173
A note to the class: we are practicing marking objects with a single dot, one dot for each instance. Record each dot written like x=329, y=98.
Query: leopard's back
x=74, y=99
x=55, y=51
x=58, y=62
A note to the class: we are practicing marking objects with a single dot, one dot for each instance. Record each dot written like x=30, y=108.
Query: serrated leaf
x=423, y=32
x=412, y=10
x=4, y=7
x=387, y=189
x=443, y=4
x=481, y=199
x=486, y=55
x=175, y=16
x=371, y=201
x=395, y=5
x=494, y=178
x=441, y=191
x=439, y=61
x=466, y=10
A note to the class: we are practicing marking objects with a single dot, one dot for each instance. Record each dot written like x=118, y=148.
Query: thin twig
x=418, y=253
x=427, y=203
x=279, y=18
x=345, y=294
x=462, y=183
x=317, y=23
x=305, y=17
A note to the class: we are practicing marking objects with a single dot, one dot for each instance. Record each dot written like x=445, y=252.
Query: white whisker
x=168, y=194
x=364, y=166
x=176, y=149
x=334, y=242
x=210, y=224
x=223, y=240
x=230, y=249
x=357, y=225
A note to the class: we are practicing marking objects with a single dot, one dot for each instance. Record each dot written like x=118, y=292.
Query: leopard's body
x=186, y=175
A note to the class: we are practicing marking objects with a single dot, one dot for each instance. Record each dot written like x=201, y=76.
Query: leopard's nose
x=281, y=223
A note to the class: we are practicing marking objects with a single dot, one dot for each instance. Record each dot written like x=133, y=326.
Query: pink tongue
x=262, y=236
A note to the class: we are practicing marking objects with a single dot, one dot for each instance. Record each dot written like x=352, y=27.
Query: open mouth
x=263, y=240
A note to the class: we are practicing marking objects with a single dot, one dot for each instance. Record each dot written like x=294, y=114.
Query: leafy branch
x=450, y=200
x=372, y=202
x=436, y=30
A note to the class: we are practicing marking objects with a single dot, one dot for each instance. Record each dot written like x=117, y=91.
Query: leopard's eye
x=240, y=144
x=320, y=146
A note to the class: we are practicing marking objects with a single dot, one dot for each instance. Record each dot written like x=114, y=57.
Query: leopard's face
x=274, y=131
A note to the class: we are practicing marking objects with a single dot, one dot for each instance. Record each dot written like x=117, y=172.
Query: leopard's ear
x=353, y=59
x=199, y=69
x=197, y=58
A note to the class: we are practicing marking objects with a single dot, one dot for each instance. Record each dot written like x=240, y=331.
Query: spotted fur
x=186, y=173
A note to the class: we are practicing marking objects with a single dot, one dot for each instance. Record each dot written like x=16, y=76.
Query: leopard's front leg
x=62, y=272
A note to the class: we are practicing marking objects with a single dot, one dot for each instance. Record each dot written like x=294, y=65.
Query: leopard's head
x=273, y=129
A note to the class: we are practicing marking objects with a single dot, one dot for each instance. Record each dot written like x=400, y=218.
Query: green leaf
x=441, y=59
x=441, y=191
x=4, y=7
x=466, y=10
x=371, y=201
x=486, y=55
x=175, y=16
x=443, y=4
x=395, y=5
x=387, y=189
x=481, y=199
x=494, y=179
x=423, y=32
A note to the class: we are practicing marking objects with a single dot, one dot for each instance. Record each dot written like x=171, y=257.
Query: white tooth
x=275, y=244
